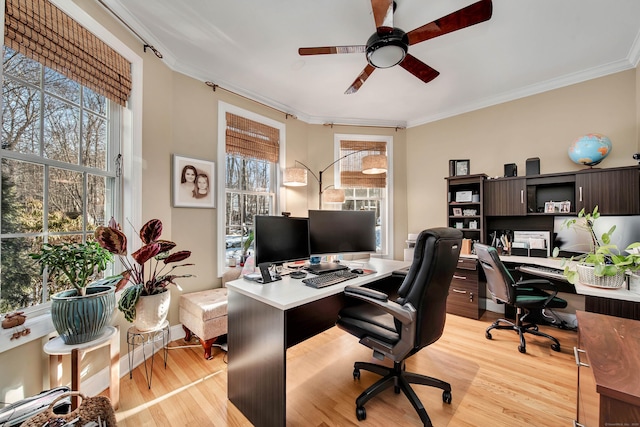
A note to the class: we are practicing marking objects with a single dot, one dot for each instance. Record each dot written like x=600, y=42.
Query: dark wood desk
x=608, y=359
x=265, y=320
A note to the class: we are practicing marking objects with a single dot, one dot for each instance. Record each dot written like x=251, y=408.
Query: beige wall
x=541, y=126
x=180, y=117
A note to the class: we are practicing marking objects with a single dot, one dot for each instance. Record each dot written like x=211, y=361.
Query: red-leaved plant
x=148, y=277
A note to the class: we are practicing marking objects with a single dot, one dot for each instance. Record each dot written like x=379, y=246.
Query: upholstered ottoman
x=204, y=314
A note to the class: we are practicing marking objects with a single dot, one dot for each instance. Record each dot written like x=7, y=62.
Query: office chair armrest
x=538, y=283
x=357, y=291
x=406, y=314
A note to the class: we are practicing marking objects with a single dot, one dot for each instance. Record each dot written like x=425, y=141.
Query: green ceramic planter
x=79, y=319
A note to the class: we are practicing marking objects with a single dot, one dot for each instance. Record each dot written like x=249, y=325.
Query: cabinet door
x=505, y=197
x=616, y=192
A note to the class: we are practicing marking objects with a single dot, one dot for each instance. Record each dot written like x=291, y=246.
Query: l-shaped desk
x=615, y=302
x=265, y=320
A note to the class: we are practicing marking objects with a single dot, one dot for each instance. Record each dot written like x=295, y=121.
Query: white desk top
x=290, y=293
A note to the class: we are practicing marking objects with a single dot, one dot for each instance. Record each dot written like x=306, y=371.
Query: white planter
x=586, y=276
x=151, y=311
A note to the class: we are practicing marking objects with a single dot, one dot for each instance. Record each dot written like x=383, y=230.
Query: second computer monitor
x=336, y=232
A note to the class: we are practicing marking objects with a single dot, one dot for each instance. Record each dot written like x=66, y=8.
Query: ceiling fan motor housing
x=387, y=48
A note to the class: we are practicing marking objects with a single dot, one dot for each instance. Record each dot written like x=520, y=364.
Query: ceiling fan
x=389, y=45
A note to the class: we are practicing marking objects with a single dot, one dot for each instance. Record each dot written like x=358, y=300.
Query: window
x=58, y=175
x=366, y=192
x=252, y=151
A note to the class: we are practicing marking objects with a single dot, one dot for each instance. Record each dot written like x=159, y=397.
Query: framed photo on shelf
x=549, y=207
x=193, y=183
x=459, y=167
x=457, y=211
x=462, y=167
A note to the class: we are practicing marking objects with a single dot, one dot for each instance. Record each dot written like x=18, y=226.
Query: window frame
x=279, y=200
x=130, y=133
x=386, y=205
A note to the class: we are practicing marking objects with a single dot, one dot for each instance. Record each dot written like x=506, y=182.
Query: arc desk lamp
x=373, y=164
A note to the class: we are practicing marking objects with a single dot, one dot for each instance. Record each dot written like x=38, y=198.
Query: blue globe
x=590, y=149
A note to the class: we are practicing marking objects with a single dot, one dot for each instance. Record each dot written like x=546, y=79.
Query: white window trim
x=388, y=250
x=39, y=319
x=223, y=109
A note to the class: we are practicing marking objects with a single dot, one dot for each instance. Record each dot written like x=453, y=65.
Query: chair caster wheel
x=522, y=349
x=361, y=414
x=356, y=374
x=555, y=347
x=488, y=335
x=446, y=397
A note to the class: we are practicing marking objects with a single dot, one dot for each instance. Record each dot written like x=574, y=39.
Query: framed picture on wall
x=193, y=183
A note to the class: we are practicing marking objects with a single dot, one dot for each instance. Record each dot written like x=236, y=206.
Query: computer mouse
x=357, y=271
x=298, y=274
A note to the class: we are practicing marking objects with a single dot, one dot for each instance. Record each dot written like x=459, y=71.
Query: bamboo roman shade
x=351, y=175
x=42, y=32
x=252, y=139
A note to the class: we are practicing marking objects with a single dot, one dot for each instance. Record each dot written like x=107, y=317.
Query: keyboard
x=548, y=272
x=329, y=279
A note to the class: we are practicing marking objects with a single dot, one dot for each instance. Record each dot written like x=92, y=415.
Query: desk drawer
x=467, y=264
x=465, y=295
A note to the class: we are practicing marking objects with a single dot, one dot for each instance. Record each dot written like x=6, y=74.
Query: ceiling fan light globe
x=384, y=50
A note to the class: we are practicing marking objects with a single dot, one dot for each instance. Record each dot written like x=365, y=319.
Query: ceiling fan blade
x=419, y=68
x=332, y=49
x=465, y=17
x=359, y=81
x=383, y=12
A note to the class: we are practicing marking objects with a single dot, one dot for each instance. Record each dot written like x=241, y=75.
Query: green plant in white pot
x=79, y=314
x=146, y=301
x=605, y=264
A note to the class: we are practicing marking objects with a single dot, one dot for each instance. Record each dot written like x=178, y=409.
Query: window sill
x=40, y=325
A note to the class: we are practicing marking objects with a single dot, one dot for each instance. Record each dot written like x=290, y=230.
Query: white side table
x=56, y=348
x=136, y=337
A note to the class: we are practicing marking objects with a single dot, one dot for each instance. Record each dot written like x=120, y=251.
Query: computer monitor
x=574, y=241
x=336, y=232
x=280, y=239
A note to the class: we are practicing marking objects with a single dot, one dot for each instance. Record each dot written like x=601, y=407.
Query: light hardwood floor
x=493, y=384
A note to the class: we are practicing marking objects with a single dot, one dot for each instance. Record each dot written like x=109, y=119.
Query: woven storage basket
x=89, y=410
x=586, y=275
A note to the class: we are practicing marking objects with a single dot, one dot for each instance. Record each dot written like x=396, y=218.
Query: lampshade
x=374, y=164
x=294, y=177
x=333, y=195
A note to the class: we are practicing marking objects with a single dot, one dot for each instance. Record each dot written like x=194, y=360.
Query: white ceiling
x=251, y=47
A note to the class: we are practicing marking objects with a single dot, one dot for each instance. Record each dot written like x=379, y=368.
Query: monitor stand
x=325, y=267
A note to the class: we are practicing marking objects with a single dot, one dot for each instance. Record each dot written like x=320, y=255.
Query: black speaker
x=510, y=169
x=533, y=166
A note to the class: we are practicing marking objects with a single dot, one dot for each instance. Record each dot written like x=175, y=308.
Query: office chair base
x=530, y=328
x=401, y=380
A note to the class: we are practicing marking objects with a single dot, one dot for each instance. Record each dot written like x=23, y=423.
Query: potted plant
x=245, y=247
x=146, y=302
x=605, y=264
x=79, y=314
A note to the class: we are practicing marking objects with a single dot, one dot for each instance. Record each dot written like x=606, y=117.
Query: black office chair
x=527, y=296
x=399, y=329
